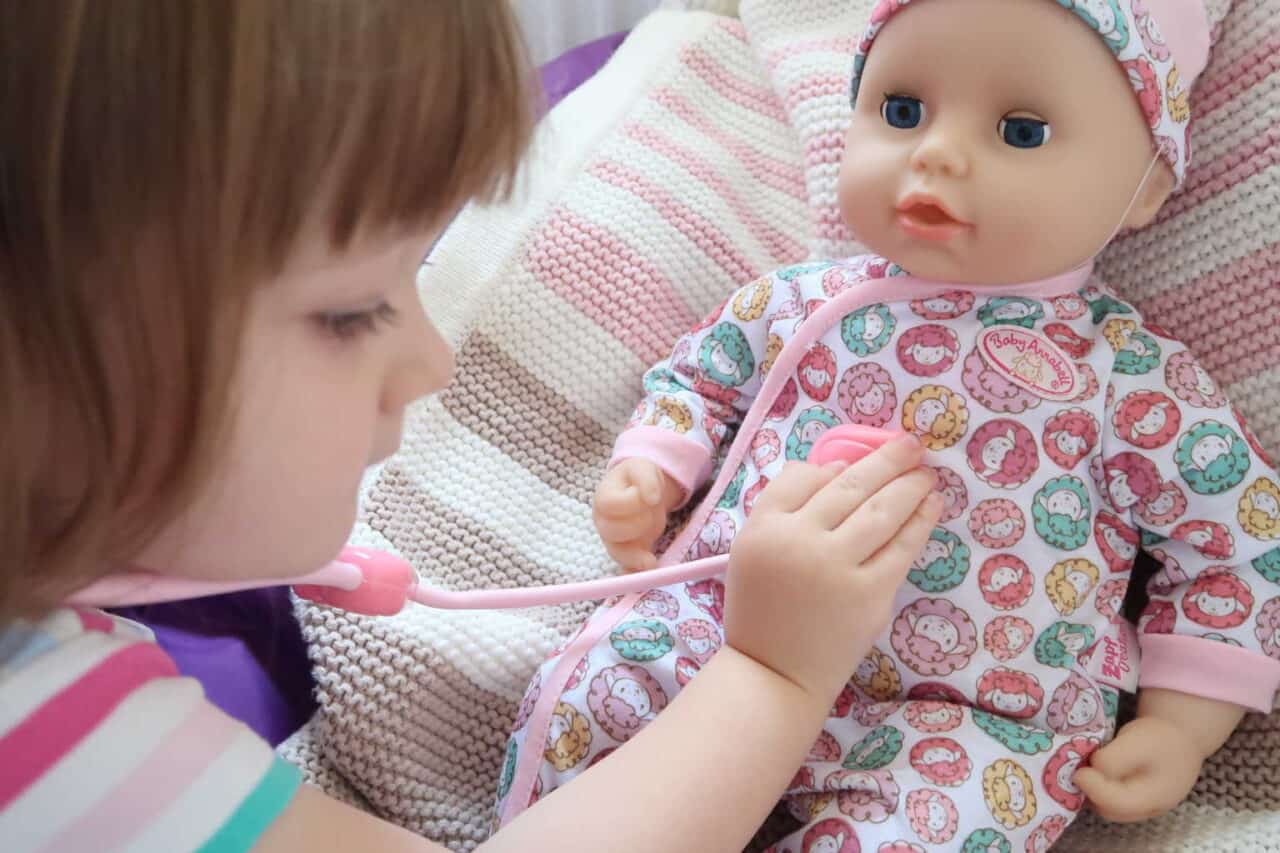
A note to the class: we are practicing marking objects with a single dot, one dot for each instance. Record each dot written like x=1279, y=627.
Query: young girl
x=210, y=219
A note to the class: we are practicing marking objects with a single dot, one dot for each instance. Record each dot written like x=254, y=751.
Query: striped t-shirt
x=104, y=747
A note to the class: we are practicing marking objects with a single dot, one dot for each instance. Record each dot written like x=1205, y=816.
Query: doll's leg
x=897, y=777
x=634, y=664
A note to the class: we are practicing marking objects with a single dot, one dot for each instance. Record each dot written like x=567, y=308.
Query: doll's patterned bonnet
x=1163, y=45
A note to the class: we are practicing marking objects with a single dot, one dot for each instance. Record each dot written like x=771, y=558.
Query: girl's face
x=334, y=349
x=994, y=142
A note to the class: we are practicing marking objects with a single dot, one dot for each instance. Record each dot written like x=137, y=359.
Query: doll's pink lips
x=927, y=218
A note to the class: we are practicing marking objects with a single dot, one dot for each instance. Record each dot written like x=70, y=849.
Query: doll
x=995, y=147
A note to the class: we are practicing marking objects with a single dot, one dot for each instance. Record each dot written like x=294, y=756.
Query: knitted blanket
x=702, y=155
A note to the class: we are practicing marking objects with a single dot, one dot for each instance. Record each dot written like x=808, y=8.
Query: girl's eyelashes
x=1024, y=131
x=902, y=111
x=347, y=325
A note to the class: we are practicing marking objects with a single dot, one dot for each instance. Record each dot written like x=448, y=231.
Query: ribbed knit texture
x=703, y=155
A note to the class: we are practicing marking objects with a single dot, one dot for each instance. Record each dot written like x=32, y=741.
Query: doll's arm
x=1204, y=724
x=1185, y=478
x=1193, y=689
x=1184, y=474
x=694, y=401
x=696, y=398
x=1155, y=760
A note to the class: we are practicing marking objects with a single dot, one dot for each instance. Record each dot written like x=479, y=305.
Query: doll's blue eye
x=1024, y=132
x=902, y=112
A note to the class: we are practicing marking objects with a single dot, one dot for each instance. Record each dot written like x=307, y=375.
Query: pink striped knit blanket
x=704, y=154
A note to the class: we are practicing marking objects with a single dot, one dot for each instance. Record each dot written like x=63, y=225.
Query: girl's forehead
x=317, y=265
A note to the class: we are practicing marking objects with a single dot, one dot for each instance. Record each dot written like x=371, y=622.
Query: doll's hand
x=813, y=573
x=1146, y=771
x=630, y=511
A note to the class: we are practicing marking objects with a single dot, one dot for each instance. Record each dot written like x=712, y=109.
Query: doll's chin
x=961, y=264
x=932, y=261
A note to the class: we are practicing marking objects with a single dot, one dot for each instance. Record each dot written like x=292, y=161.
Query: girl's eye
x=346, y=325
x=1024, y=132
x=902, y=112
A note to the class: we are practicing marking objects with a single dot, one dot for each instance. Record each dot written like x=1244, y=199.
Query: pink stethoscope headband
x=1163, y=46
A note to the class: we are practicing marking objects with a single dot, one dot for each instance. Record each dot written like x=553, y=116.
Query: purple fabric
x=246, y=648
x=565, y=73
x=235, y=681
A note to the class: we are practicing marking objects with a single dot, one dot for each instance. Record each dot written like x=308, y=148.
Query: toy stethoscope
x=377, y=583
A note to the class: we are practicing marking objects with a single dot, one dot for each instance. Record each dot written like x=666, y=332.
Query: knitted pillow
x=702, y=155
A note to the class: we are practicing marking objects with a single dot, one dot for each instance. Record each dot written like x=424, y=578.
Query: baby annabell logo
x=1031, y=361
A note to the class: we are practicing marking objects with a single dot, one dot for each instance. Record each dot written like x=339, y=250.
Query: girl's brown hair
x=158, y=160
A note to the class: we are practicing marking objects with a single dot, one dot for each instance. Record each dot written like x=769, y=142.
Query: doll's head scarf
x=1163, y=46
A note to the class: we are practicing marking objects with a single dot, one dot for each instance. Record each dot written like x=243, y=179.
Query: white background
x=553, y=26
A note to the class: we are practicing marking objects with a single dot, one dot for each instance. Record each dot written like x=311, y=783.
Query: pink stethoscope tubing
x=378, y=583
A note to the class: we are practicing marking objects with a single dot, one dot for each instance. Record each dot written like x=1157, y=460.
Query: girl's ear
x=1153, y=193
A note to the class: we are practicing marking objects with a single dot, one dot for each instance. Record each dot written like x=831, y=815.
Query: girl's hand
x=813, y=573
x=630, y=511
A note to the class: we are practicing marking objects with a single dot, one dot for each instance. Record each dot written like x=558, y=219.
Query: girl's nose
x=423, y=366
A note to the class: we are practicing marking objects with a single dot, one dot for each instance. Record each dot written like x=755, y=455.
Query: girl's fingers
x=795, y=485
x=877, y=521
x=831, y=505
x=894, y=558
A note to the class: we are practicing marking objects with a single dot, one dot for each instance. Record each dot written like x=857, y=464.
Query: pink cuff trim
x=683, y=459
x=1210, y=669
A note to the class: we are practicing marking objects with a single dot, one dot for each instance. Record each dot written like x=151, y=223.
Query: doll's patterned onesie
x=1066, y=433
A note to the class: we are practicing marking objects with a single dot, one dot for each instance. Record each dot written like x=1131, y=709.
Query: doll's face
x=994, y=141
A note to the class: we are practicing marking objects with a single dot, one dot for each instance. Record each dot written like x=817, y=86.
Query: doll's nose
x=939, y=153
